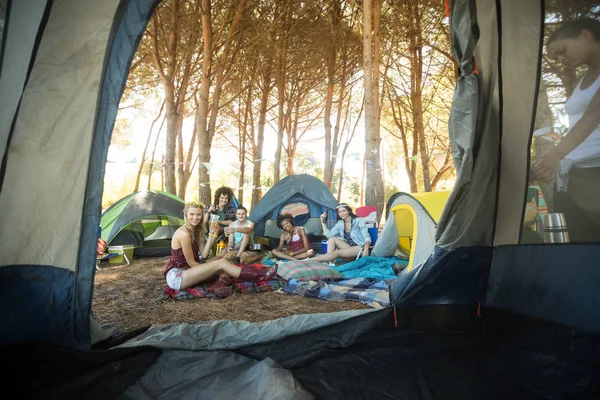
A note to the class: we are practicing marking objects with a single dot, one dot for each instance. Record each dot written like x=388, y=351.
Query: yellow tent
x=410, y=227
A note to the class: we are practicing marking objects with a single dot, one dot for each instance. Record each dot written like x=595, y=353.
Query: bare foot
x=310, y=253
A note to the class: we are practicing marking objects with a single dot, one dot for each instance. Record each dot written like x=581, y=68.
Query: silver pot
x=555, y=228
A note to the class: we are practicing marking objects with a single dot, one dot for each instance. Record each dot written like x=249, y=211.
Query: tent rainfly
x=303, y=196
x=484, y=317
x=143, y=219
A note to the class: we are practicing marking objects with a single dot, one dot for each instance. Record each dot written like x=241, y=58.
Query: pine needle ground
x=131, y=296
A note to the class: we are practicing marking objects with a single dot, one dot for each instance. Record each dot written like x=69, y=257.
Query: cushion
x=307, y=270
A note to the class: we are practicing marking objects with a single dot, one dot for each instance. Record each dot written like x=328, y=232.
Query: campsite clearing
x=131, y=296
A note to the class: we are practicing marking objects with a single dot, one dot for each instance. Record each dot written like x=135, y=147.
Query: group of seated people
x=191, y=246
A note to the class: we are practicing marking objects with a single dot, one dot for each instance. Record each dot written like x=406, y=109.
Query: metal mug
x=555, y=228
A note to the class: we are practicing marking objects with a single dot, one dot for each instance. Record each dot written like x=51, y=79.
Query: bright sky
x=124, y=163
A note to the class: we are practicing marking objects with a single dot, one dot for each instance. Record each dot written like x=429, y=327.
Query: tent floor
x=436, y=352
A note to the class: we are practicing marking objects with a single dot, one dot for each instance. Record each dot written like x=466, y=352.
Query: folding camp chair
x=369, y=215
x=104, y=257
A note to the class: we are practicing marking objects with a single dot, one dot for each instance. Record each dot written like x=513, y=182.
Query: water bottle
x=555, y=228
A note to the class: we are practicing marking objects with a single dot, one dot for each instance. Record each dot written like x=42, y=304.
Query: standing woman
x=185, y=270
x=294, y=238
x=347, y=238
x=575, y=161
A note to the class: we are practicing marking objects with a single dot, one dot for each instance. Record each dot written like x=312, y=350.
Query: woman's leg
x=304, y=254
x=282, y=254
x=204, y=272
x=336, y=247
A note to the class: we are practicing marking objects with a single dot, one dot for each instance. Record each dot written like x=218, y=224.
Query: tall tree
x=371, y=62
x=217, y=50
x=172, y=41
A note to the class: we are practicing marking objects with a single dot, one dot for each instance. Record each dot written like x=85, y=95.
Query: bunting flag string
x=208, y=166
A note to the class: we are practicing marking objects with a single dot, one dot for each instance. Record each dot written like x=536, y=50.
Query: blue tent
x=303, y=196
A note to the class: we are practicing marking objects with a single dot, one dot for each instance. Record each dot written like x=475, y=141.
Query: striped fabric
x=307, y=270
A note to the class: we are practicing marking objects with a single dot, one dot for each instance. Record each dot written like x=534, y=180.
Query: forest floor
x=131, y=296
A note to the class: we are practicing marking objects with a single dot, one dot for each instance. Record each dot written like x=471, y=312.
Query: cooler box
x=124, y=254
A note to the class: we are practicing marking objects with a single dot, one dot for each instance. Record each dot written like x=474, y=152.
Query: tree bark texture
x=374, y=194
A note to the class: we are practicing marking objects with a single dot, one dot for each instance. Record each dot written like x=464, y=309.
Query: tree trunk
x=139, y=174
x=260, y=139
x=283, y=44
x=280, y=121
x=243, y=136
x=335, y=15
x=154, y=154
x=371, y=56
x=416, y=73
x=201, y=119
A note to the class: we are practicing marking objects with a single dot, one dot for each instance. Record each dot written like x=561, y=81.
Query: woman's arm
x=545, y=167
x=186, y=246
x=304, y=237
x=364, y=230
x=281, y=241
x=337, y=230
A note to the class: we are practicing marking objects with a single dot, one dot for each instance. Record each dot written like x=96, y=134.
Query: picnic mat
x=370, y=291
x=201, y=291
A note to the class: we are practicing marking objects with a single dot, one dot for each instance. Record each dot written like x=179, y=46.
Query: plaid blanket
x=201, y=291
x=370, y=291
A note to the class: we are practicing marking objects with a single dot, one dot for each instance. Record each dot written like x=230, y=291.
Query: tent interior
x=485, y=316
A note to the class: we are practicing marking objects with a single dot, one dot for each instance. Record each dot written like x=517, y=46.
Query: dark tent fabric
x=434, y=352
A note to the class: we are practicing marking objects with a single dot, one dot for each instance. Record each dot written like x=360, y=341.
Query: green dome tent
x=145, y=219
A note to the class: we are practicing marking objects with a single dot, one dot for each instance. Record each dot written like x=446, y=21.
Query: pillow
x=307, y=270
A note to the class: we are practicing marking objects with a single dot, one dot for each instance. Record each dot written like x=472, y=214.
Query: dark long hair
x=350, y=212
x=572, y=29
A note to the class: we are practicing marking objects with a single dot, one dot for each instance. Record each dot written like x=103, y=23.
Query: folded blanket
x=201, y=291
x=372, y=267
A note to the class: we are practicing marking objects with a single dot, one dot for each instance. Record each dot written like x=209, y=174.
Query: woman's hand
x=324, y=217
x=544, y=168
x=365, y=251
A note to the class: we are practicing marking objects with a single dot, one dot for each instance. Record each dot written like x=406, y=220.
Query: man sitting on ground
x=240, y=233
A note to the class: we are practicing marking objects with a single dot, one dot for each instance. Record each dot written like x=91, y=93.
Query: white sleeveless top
x=587, y=154
x=575, y=107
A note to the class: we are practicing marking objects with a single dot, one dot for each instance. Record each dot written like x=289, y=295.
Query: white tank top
x=587, y=154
